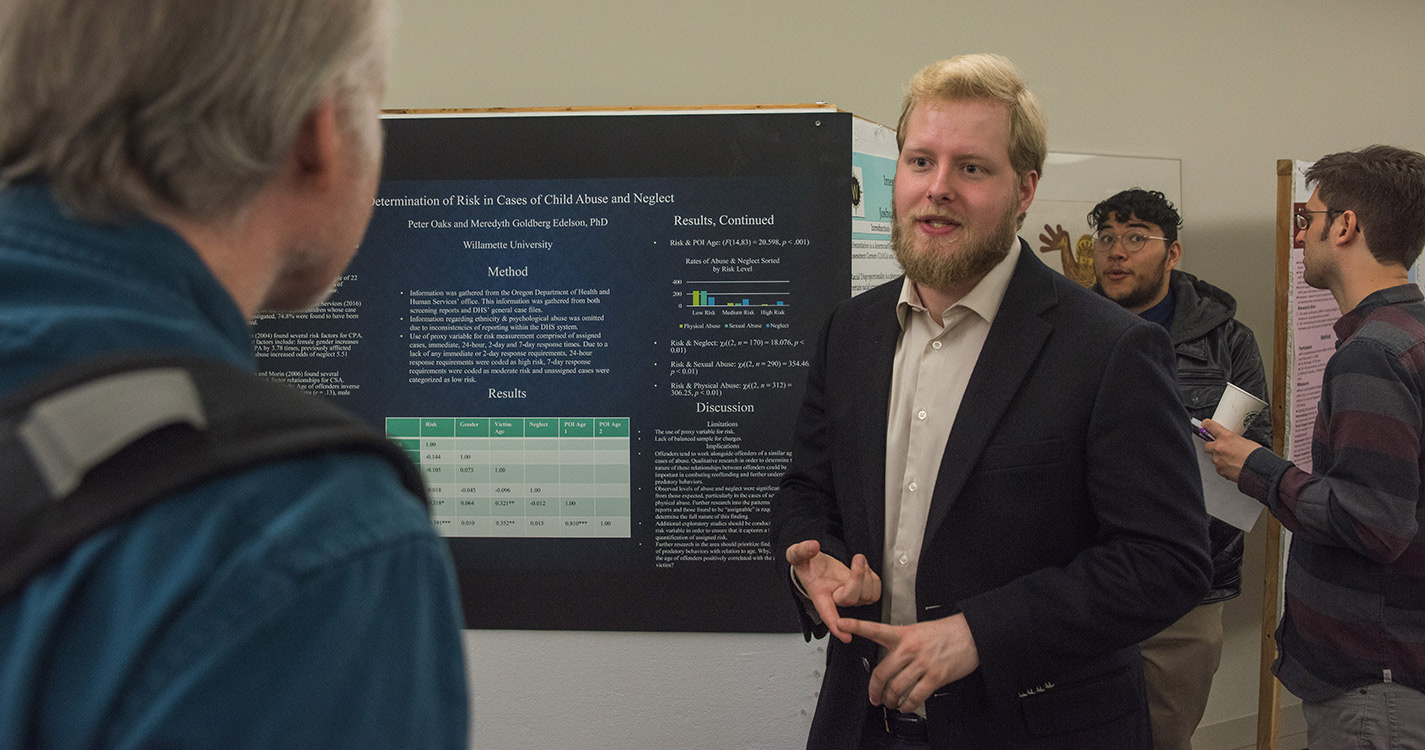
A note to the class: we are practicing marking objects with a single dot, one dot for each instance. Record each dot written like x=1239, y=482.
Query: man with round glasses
x=1136, y=252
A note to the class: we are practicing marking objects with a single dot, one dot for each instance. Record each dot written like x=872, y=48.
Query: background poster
x=1311, y=339
x=873, y=163
x=591, y=331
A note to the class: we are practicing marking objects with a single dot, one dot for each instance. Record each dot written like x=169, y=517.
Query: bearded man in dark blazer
x=993, y=495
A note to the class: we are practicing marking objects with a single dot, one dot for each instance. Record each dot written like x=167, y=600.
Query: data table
x=522, y=476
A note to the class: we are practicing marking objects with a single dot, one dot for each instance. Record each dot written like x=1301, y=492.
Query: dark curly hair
x=1147, y=205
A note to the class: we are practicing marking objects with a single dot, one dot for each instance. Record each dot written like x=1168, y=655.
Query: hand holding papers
x=1236, y=411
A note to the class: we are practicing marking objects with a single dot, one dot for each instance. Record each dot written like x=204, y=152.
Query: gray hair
x=124, y=106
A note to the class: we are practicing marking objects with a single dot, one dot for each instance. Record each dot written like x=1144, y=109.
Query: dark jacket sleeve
x=1148, y=564
x=805, y=505
x=1248, y=373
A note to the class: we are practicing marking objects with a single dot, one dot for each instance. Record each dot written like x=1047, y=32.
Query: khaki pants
x=1178, y=665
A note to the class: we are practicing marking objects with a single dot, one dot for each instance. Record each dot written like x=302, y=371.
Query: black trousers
x=892, y=731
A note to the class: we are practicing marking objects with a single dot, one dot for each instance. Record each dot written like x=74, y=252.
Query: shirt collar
x=1162, y=312
x=984, y=299
x=1351, y=322
x=137, y=252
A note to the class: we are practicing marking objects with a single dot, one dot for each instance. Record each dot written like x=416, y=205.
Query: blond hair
x=984, y=77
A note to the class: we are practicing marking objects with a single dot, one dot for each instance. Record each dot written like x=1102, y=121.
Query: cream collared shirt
x=932, y=369
x=921, y=416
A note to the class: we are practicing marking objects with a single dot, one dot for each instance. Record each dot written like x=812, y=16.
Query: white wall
x=1227, y=87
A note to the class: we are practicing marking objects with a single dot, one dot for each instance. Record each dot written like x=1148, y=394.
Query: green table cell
x=611, y=427
x=577, y=506
x=472, y=474
x=541, y=451
x=469, y=527
x=539, y=491
x=576, y=473
x=437, y=427
x=403, y=427
x=473, y=491
x=541, y=427
x=470, y=452
x=611, y=473
x=541, y=506
x=541, y=473
x=615, y=446
x=576, y=427
x=614, y=528
x=506, y=428
x=507, y=473
x=472, y=428
x=507, y=527
x=472, y=506
x=612, y=506
x=438, y=474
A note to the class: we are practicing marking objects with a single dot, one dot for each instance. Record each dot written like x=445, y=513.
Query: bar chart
x=739, y=293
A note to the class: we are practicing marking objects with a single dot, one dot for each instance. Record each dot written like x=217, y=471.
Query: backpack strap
x=99, y=442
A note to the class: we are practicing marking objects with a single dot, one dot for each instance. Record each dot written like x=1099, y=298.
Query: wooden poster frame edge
x=607, y=110
x=1269, y=690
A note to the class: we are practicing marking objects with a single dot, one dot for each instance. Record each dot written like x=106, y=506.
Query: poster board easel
x=1268, y=688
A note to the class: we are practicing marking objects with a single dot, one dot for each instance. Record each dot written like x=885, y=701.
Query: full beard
x=1144, y=293
x=939, y=265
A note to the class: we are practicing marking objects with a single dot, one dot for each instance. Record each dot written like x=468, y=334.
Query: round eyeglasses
x=1131, y=242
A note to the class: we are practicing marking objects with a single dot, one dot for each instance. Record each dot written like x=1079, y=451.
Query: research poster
x=591, y=332
x=873, y=169
x=1311, y=338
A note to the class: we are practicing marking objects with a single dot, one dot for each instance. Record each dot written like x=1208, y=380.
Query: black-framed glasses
x=1303, y=215
x=1131, y=242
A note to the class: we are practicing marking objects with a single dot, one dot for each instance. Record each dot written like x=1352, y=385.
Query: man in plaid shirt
x=1353, y=637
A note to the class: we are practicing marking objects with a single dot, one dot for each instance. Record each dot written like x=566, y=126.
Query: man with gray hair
x=991, y=473
x=168, y=169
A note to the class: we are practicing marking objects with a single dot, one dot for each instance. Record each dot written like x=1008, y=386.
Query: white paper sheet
x=1224, y=501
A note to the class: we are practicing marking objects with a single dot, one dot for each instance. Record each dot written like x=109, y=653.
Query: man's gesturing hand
x=920, y=658
x=830, y=584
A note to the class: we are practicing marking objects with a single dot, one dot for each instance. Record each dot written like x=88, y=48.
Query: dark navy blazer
x=1066, y=523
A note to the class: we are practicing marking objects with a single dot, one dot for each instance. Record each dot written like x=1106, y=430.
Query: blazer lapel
x=1014, y=342
x=880, y=333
